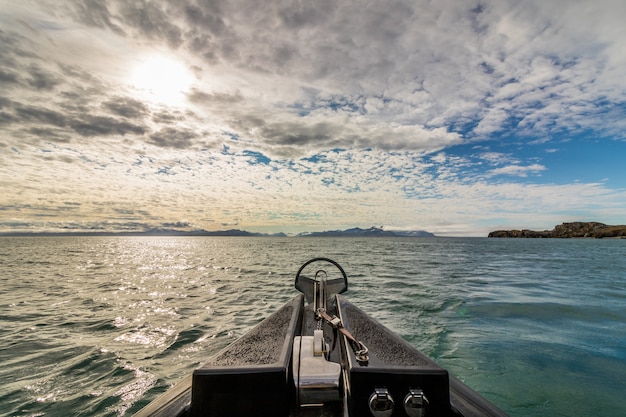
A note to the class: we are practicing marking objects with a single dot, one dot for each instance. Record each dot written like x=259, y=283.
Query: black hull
x=253, y=376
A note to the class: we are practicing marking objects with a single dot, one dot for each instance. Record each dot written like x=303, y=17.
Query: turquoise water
x=97, y=326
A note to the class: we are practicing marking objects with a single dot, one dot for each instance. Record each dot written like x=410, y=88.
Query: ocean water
x=99, y=326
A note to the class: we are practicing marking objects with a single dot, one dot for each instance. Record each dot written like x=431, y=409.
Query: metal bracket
x=415, y=403
x=381, y=403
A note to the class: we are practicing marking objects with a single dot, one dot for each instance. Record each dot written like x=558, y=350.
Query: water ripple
x=100, y=326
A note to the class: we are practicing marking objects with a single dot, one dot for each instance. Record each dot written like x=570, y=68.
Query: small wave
x=183, y=339
x=503, y=314
x=545, y=311
x=133, y=391
x=149, y=336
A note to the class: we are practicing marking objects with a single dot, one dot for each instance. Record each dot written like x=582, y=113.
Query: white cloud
x=332, y=190
x=498, y=158
x=356, y=104
x=517, y=170
x=416, y=67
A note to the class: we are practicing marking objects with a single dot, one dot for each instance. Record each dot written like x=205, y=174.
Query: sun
x=161, y=79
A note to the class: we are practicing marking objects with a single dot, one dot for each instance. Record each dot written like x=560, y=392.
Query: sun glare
x=162, y=79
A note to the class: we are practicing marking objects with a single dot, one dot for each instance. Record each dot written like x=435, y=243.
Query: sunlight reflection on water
x=103, y=325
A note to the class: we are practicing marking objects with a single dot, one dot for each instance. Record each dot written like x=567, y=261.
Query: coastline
x=570, y=230
x=354, y=232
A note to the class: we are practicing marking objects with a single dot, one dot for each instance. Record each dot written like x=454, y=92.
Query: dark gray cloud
x=127, y=107
x=173, y=138
x=36, y=114
x=91, y=125
x=40, y=79
x=307, y=15
x=154, y=20
x=10, y=51
x=11, y=48
x=5, y=102
x=80, y=76
x=96, y=13
x=206, y=16
x=6, y=118
x=167, y=117
x=149, y=19
x=295, y=134
x=71, y=112
x=214, y=99
x=38, y=119
x=50, y=134
x=8, y=77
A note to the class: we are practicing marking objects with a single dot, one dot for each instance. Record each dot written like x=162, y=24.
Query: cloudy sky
x=456, y=117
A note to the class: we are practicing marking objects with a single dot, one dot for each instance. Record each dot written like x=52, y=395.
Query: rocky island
x=567, y=230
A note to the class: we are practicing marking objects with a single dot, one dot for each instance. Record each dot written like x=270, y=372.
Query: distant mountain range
x=150, y=232
x=354, y=232
x=371, y=232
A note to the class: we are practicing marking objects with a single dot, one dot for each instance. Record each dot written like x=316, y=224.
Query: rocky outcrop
x=567, y=230
x=520, y=233
x=578, y=229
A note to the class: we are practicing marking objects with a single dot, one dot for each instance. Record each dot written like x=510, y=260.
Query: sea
x=100, y=326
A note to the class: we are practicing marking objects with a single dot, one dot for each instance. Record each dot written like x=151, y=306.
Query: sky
x=455, y=117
